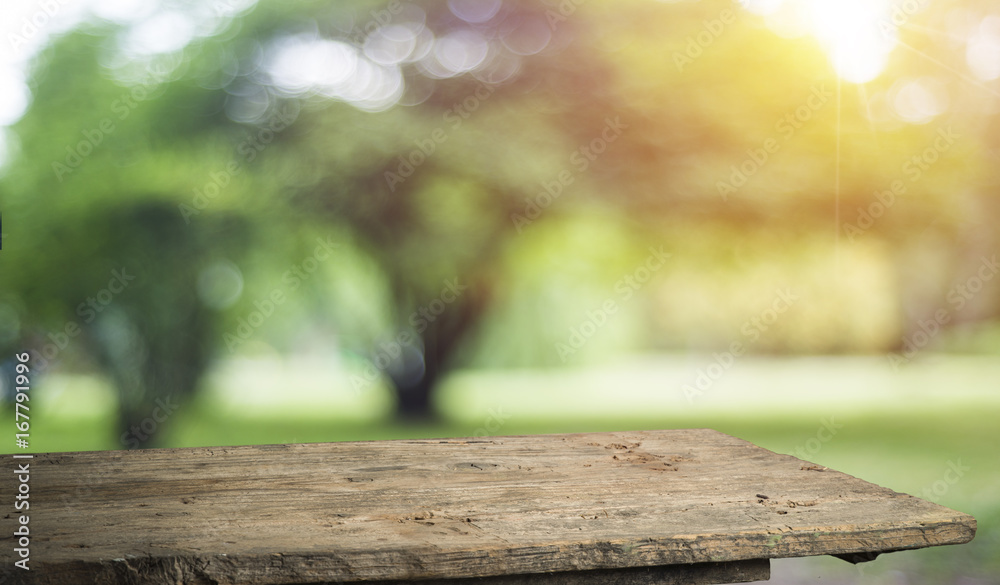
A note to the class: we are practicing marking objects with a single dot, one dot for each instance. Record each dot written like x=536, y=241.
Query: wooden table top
x=451, y=509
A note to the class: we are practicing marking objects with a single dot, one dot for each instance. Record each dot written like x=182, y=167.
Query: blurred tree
x=435, y=192
x=431, y=192
x=433, y=139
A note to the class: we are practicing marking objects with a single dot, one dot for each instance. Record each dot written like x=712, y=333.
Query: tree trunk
x=414, y=396
x=441, y=340
x=156, y=361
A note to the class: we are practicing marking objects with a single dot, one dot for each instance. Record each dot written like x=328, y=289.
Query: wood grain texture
x=693, y=574
x=446, y=509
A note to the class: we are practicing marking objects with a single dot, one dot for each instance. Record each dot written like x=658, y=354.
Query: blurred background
x=237, y=222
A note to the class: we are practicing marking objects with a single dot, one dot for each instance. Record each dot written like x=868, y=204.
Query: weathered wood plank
x=454, y=508
x=164, y=570
x=696, y=574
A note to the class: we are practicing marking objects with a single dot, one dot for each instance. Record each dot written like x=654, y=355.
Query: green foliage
x=539, y=180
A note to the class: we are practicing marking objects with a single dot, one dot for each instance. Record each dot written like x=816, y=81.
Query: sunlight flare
x=857, y=35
